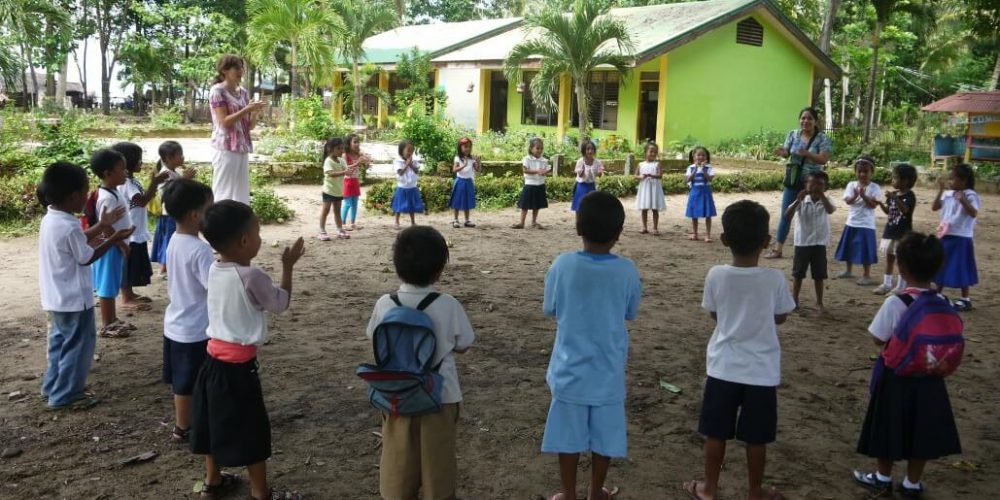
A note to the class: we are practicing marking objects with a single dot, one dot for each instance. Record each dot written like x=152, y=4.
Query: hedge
x=502, y=192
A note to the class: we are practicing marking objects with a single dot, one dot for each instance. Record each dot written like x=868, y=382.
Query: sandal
x=113, y=331
x=644, y=231
x=397, y=227
x=535, y=225
x=179, y=435
x=342, y=235
x=656, y=232
x=773, y=254
x=81, y=402
x=517, y=226
x=962, y=305
x=322, y=236
x=469, y=223
x=143, y=298
x=455, y=224
x=708, y=239
x=691, y=488
x=607, y=494
x=693, y=237
x=228, y=482
x=136, y=306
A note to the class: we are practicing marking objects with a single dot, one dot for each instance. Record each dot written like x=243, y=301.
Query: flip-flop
x=708, y=240
x=693, y=237
x=644, y=232
x=517, y=226
x=557, y=496
x=691, y=488
x=608, y=494
x=656, y=232
x=143, y=298
x=773, y=255
x=136, y=306
x=774, y=494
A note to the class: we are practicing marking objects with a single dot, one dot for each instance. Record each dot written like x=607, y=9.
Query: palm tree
x=362, y=19
x=575, y=43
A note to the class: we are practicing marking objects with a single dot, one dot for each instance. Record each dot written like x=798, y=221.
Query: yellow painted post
x=661, y=103
x=968, y=138
x=565, y=111
x=336, y=103
x=483, y=124
x=383, y=108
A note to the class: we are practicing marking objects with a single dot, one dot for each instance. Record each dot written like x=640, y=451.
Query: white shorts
x=231, y=176
x=887, y=247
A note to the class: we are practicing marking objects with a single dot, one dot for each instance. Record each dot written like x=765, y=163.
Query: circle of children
x=215, y=320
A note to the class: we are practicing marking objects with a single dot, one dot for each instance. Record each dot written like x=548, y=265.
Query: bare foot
x=693, y=237
x=771, y=494
x=773, y=254
x=644, y=231
x=656, y=232
x=696, y=490
x=708, y=239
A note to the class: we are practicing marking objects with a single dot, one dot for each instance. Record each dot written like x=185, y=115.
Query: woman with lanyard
x=807, y=150
x=233, y=116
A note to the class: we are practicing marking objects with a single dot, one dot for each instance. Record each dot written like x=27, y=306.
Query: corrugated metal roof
x=987, y=103
x=437, y=39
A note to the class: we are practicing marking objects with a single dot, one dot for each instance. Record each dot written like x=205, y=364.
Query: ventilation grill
x=750, y=32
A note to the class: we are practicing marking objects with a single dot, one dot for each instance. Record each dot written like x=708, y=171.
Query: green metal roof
x=436, y=39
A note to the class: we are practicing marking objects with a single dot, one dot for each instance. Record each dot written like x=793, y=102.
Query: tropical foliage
x=363, y=19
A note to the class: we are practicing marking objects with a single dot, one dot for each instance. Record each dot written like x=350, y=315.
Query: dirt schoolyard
x=323, y=426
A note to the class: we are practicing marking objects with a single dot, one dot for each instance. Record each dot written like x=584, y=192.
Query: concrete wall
x=463, y=106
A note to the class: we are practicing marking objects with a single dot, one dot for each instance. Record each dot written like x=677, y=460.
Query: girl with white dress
x=650, y=192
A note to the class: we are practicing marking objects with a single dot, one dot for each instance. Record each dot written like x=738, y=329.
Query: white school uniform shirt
x=409, y=178
x=812, y=223
x=137, y=213
x=190, y=261
x=744, y=347
x=588, y=173
x=468, y=170
x=65, y=281
x=887, y=318
x=237, y=298
x=535, y=164
x=859, y=214
x=112, y=199
x=452, y=330
x=952, y=212
x=693, y=169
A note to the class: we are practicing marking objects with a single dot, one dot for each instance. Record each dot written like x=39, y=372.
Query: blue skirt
x=700, y=202
x=165, y=227
x=407, y=201
x=463, y=194
x=581, y=190
x=857, y=246
x=108, y=271
x=959, y=269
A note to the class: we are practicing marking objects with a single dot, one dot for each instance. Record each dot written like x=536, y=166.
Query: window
x=750, y=32
x=532, y=114
x=603, y=89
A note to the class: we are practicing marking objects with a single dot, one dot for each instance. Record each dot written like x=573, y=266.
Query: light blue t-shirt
x=591, y=296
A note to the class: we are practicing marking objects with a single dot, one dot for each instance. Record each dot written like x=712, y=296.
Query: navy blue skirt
x=959, y=269
x=407, y=201
x=463, y=194
x=857, y=246
x=165, y=228
x=700, y=202
x=581, y=190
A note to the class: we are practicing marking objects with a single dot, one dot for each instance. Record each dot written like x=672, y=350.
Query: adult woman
x=233, y=116
x=808, y=149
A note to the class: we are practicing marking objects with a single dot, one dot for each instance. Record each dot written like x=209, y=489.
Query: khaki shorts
x=418, y=453
x=888, y=247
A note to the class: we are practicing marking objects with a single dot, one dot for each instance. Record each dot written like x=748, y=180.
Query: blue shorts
x=573, y=428
x=108, y=271
x=181, y=362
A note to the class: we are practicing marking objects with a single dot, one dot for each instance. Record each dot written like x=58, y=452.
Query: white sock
x=902, y=284
x=908, y=484
x=884, y=479
x=887, y=280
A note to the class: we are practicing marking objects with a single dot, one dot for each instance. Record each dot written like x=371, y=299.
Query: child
x=588, y=169
x=812, y=235
x=908, y=418
x=407, y=197
x=186, y=319
x=533, y=198
x=898, y=205
x=138, y=269
x=650, y=192
x=109, y=166
x=959, y=206
x=355, y=161
x=744, y=356
x=230, y=425
x=333, y=188
x=857, y=242
x=700, y=202
x=463, y=193
x=171, y=157
x=418, y=452
x=65, y=283
x=591, y=294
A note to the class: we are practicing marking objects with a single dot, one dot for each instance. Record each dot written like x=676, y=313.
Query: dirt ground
x=323, y=426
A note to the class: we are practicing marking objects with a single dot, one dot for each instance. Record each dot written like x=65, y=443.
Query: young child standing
x=857, y=242
x=812, y=235
x=65, y=283
x=463, y=193
x=333, y=188
x=649, y=196
x=533, y=197
x=908, y=418
x=407, y=198
x=230, y=425
x=588, y=169
x=700, y=202
x=898, y=206
x=171, y=159
x=591, y=293
x=418, y=452
x=744, y=355
x=109, y=166
x=354, y=161
x=959, y=205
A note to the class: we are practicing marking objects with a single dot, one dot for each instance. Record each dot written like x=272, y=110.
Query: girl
x=959, y=206
x=533, y=198
x=588, y=169
x=650, y=192
x=407, y=198
x=333, y=188
x=463, y=193
x=171, y=158
x=857, y=243
x=700, y=202
x=354, y=161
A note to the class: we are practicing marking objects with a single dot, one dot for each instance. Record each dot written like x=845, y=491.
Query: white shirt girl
x=859, y=214
x=588, y=173
x=960, y=223
x=532, y=163
x=468, y=167
x=408, y=179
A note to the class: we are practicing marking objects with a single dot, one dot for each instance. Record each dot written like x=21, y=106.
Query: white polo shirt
x=111, y=199
x=65, y=280
x=468, y=168
x=812, y=223
x=533, y=163
x=859, y=214
x=130, y=190
x=408, y=179
x=189, y=260
x=952, y=212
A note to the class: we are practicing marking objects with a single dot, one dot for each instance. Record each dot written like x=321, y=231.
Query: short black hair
x=402, y=146
x=745, y=225
x=533, y=141
x=708, y=156
x=906, y=173
x=864, y=160
x=183, y=196
x=964, y=171
x=920, y=255
x=103, y=160
x=600, y=217
x=419, y=254
x=648, y=145
x=587, y=143
x=59, y=181
x=225, y=222
x=819, y=174
x=132, y=153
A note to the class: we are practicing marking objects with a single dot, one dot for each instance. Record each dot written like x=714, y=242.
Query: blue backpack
x=402, y=381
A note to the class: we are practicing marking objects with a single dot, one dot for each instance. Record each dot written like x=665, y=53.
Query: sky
x=93, y=57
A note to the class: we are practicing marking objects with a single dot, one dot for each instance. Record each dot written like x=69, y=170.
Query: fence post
x=556, y=162
x=629, y=159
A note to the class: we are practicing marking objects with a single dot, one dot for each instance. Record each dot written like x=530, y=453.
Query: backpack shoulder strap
x=395, y=298
x=428, y=300
x=906, y=298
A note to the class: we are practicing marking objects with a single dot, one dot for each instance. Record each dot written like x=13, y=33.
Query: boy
x=744, y=358
x=65, y=283
x=186, y=319
x=109, y=166
x=898, y=205
x=591, y=294
x=812, y=235
x=418, y=452
x=230, y=425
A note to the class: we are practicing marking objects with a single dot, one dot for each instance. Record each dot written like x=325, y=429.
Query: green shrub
x=17, y=198
x=62, y=140
x=166, y=117
x=314, y=121
x=270, y=207
x=434, y=137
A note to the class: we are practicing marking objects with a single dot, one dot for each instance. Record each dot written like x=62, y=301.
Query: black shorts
x=229, y=420
x=330, y=198
x=811, y=257
x=138, y=270
x=747, y=412
x=181, y=362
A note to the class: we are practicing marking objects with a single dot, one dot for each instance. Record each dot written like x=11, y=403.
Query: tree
x=984, y=17
x=362, y=19
x=108, y=15
x=413, y=70
x=573, y=44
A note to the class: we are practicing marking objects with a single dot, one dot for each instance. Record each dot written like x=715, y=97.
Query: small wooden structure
x=982, y=133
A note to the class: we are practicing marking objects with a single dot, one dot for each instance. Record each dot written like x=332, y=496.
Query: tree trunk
x=846, y=88
x=870, y=100
x=995, y=78
x=583, y=108
x=359, y=95
x=105, y=83
x=827, y=105
x=824, y=40
x=881, y=102
x=293, y=78
x=36, y=97
x=61, y=84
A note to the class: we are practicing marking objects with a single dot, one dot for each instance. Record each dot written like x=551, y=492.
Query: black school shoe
x=911, y=492
x=870, y=480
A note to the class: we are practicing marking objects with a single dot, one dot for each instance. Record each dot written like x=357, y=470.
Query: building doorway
x=648, y=100
x=498, y=101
